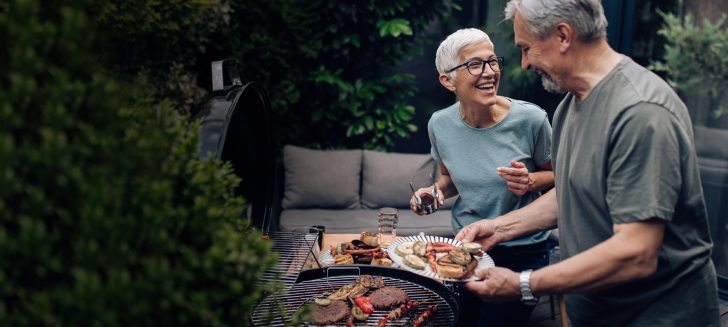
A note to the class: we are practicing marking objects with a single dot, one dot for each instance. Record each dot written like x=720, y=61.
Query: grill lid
x=236, y=126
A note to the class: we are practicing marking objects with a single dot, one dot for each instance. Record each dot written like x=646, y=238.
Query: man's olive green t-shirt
x=626, y=154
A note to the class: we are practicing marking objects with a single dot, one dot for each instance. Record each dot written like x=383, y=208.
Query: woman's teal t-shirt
x=472, y=155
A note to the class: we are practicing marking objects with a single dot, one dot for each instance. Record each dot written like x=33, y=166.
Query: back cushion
x=711, y=142
x=386, y=177
x=321, y=179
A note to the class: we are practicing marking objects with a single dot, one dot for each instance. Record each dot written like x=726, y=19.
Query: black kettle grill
x=236, y=126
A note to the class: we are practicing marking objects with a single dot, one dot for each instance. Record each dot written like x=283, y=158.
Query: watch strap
x=524, y=282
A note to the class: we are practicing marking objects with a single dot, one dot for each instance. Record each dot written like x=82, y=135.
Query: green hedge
x=106, y=218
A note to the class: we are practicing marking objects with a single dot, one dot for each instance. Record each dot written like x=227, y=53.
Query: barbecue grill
x=278, y=308
x=293, y=249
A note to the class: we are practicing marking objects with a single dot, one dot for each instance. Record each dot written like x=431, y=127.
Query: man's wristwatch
x=525, y=283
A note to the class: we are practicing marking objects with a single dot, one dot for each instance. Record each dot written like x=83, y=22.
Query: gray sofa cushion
x=386, y=177
x=356, y=221
x=321, y=179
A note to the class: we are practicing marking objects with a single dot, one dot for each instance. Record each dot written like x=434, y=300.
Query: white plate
x=325, y=259
x=483, y=261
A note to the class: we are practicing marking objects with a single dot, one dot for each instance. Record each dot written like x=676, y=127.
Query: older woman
x=492, y=151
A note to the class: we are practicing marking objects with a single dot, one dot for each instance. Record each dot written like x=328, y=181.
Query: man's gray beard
x=549, y=84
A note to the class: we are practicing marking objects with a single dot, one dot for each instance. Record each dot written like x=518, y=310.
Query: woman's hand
x=517, y=177
x=426, y=190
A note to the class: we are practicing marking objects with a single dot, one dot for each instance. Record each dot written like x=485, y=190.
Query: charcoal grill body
x=277, y=309
x=236, y=126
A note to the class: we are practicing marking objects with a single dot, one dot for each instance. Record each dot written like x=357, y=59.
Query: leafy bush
x=163, y=40
x=106, y=218
x=328, y=65
x=695, y=56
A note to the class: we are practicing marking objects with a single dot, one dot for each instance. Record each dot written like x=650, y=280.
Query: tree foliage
x=328, y=66
x=163, y=40
x=695, y=57
x=106, y=217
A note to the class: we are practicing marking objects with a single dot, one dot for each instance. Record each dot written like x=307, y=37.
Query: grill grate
x=281, y=306
x=293, y=249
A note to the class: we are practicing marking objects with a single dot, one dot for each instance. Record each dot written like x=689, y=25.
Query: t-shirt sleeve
x=433, y=143
x=542, y=149
x=643, y=168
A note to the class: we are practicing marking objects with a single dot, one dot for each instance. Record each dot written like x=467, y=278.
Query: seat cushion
x=359, y=220
x=386, y=177
x=321, y=179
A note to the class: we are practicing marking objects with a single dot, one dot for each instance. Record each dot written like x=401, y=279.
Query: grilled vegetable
x=358, y=313
x=419, y=248
x=460, y=257
x=404, y=249
x=322, y=301
x=364, y=303
x=414, y=261
x=471, y=247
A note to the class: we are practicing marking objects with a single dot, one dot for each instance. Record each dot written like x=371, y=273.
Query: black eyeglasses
x=477, y=67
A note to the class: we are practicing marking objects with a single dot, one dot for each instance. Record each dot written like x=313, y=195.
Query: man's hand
x=482, y=231
x=517, y=177
x=496, y=285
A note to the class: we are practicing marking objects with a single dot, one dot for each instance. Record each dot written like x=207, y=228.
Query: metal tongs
x=435, y=192
x=418, y=200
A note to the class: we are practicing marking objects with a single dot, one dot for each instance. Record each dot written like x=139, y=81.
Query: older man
x=634, y=235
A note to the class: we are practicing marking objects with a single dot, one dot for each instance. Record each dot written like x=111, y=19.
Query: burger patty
x=330, y=314
x=388, y=297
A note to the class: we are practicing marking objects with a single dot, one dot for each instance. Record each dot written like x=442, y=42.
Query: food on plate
x=388, y=297
x=404, y=248
x=460, y=257
x=370, y=239
x=419, y=248
x=425, y=316
x=448, y=268
x=441, y=247
x=370, y=281
x=359, y=251
x=414, y=261
x=363, y=259
x=349, y=290
x=329, y=314
x=431, y=257
x=343, y=259
x=472, y=247
x=382, y=262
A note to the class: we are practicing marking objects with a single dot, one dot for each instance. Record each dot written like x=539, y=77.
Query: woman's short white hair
x=586, y=17
x=448, y=53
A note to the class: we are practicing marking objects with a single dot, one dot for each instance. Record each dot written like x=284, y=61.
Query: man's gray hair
x=448, y=52
x=586, y=17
